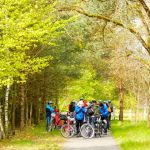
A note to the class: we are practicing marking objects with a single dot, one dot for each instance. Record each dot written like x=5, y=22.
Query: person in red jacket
x=57, y=120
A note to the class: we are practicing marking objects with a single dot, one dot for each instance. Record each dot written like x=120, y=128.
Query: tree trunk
x=27, y=110
x=30, y=117
x=13, y=117
x=39, y=110
x=42, y=111
x=56, y=104
x=14, y=98
x=121, y=92
x=137, y=107
x=22, y=116
x=2, y=133
x=6, y=110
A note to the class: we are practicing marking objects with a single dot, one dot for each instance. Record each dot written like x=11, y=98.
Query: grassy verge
x=131, y=136
x=33, y=138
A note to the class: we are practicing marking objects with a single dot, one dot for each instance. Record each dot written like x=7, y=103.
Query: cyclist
x=72, y=106
x=80, y=112
x=84, y=101
x=104, y=114
x=109, y=113
x=95, y=107
x=49, y=110
x=57, y=120
x=89, y=113
x=110, y=110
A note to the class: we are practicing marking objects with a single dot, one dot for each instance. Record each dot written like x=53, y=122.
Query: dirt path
x=106, y=142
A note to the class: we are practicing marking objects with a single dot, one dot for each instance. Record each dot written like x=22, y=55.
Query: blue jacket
x=49, y=110
x=104, y=111
x=80, y=112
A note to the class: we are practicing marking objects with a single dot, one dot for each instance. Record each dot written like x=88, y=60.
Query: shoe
x=76, y=133
x=79, y=135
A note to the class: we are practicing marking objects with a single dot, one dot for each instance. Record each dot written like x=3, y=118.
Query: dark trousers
x=106, y=125
x=78, y=125
x=109, y=117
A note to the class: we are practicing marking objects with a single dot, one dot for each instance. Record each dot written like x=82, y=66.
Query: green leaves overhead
x=25, y=25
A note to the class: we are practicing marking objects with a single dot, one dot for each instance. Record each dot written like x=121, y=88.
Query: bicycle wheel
x=67, y=131
x=100, y=128
x=87, y=131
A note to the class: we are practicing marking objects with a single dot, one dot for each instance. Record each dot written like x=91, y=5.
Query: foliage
x=34, y=137
x=89, y=88
x=22, y=32
x=131, y=135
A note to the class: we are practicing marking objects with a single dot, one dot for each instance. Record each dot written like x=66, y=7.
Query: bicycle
x=87, y=131
x=99, y=125
x=68, y=130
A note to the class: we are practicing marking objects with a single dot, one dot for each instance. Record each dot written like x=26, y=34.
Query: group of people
x=84, y=111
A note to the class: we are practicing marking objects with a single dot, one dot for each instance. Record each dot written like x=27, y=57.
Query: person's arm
x=99, y=110
x=51, y=109
x=77, y=109
x=112, y=109
x=83, y=109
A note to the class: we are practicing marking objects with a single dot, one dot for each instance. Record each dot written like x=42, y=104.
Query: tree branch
x=146, y=8
x=81, y=11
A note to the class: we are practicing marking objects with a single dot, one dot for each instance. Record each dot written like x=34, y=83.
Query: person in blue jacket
x=49, y=110
x=80, y=112
x=104, y=115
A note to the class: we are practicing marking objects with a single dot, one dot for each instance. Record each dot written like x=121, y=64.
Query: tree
x=25, y=27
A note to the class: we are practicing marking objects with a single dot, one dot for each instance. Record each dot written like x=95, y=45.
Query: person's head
x=81, y=99
x=76, y=102
x=89, y=104
x=72, y=102
x=105, y=102
x=80, y=104
x=50, y=102
x=109, y=101
x=101, y=105
x=99, y=102
x=94, y=102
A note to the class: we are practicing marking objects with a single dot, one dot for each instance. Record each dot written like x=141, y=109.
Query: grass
x=131, y=135
x=34, y=138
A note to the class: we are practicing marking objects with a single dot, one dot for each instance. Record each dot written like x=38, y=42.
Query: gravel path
x=106, y=142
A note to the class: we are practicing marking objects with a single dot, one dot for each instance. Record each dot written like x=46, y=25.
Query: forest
x=62, y=50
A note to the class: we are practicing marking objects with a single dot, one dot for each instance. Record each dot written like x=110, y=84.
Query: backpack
x=109, y=109
x=90, y=111
x=72, y=107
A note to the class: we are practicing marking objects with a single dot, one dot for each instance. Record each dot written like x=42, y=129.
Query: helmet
x=93, y=101
x=81, y=98
x=73, y=101
x=90, y=104
x=109, y=101
x=50, y=102
x=100, y=101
